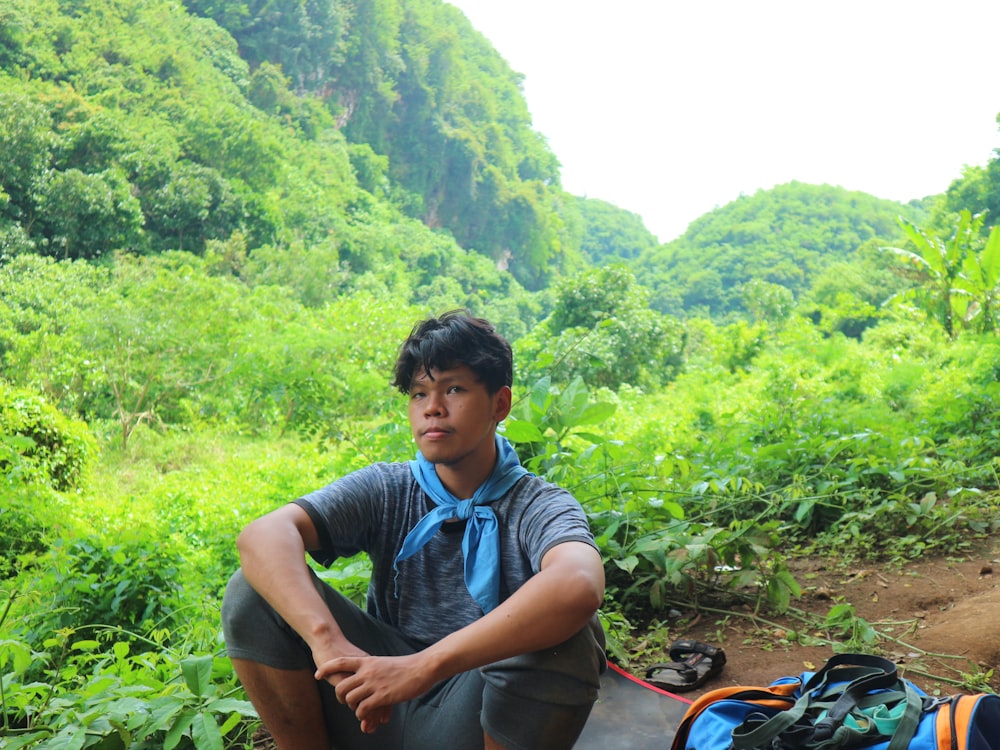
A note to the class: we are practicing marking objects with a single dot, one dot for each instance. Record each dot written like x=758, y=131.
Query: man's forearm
x=548, y=609
x=272, y=556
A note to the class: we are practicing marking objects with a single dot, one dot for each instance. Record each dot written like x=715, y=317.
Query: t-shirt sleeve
x=552, y=517
x=345, y=512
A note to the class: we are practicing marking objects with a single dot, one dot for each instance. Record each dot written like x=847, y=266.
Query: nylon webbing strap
x=853, y=701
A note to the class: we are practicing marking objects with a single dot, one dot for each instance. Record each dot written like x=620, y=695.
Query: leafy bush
x=42, y=452
x=84, y=583
x=657, y=541
x=99, y=694
x=28, y=521
x=602, y=330
x=38, y=444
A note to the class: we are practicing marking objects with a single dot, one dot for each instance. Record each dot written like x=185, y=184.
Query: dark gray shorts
x=536, y=701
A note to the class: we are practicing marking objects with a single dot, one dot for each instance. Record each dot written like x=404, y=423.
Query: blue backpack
x=854, y=701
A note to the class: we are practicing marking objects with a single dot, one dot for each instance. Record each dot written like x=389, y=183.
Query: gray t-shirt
x=373, y=509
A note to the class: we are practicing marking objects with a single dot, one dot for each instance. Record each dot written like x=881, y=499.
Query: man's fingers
x=343, y=690
x=335, y=666
x=354, y=693
x=374, y=719
x=382, y=716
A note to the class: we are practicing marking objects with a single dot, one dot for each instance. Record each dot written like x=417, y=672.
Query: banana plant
x=956, y=284
x=983, y=274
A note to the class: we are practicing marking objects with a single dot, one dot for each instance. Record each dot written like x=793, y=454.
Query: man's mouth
x=436, y=432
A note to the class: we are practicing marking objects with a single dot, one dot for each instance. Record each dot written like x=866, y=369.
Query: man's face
x=453, y=417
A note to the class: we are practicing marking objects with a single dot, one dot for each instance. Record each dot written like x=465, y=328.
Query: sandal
x=694, y=663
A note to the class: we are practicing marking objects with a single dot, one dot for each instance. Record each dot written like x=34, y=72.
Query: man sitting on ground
x=481, y=627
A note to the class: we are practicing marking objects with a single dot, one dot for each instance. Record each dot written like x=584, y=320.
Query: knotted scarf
x=481, y=542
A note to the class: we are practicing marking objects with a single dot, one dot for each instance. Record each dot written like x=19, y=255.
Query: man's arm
x=272, y=554
x=548, y=609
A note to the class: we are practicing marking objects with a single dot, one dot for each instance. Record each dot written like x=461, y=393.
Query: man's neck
x=462, y=481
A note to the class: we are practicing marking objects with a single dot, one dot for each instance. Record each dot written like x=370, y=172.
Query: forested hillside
x=157, y=128
x=218, y=219
x=786, y=236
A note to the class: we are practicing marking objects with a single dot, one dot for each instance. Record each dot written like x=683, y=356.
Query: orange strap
x=778, y=691
x=942, y=726
x=961, y=708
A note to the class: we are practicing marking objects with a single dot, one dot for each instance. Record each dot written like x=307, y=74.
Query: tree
x=89, y=215
x=26, y=142
x=955, y=285
x=603, y=331
x=611, y=234
x=193, y=204
x=977, y=190
x=983, y=274
x=767, y=301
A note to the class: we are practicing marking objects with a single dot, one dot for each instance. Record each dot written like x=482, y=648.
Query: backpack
x=854, y=701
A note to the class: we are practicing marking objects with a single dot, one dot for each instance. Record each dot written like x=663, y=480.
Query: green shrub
x=84, y=583
x=38, y=444
x=27, y=521
x=101, y=693
x=42, y=453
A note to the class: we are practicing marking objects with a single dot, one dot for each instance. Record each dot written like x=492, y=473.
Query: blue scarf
x=481, y=542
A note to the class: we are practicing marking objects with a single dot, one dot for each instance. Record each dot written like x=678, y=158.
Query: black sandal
x=694, y=663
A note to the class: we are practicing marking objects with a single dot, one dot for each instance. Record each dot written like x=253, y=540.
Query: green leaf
x=198, y=674
x=595, y=414
x=205, y=733
x=676, y=510
x=628, y=563
x=232, y=722
x=178, y=728
x=989, y=259
x=163, y=710
x=519, y=431
x=24, y=741
x=541, y=396
x=929, y=252
x=787, y=580
x=20, y=654
x=232, y=705
x=70, y=738
x=573, y=401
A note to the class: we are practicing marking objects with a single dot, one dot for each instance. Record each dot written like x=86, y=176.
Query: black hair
x=455, y=338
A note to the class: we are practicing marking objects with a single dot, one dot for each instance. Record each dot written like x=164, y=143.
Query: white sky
x=669, y=109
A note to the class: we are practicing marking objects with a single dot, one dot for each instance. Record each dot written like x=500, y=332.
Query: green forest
x=219, y=219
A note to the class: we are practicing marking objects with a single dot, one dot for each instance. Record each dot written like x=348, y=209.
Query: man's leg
x=288, y=702
x=543, y=699
x=276, y=669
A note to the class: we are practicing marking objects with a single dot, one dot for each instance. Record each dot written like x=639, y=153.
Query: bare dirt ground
x=939, y=618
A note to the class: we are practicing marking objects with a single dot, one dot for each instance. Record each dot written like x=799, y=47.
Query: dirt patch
x=936, y=618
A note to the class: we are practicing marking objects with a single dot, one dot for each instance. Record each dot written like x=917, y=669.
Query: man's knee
x=255, y=632
x=240, y=604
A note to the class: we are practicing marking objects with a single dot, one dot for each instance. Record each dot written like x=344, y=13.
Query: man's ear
x=502, y=403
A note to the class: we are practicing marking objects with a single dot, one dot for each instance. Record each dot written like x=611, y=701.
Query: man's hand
x=371, y=685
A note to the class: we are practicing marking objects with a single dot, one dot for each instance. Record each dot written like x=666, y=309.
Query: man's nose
x=433, y=405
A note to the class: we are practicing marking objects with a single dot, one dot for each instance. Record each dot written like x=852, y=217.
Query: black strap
x=838, y=688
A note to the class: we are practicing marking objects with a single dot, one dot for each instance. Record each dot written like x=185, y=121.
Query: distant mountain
x=786, y=236
x=610, y=234
x=385, y=138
